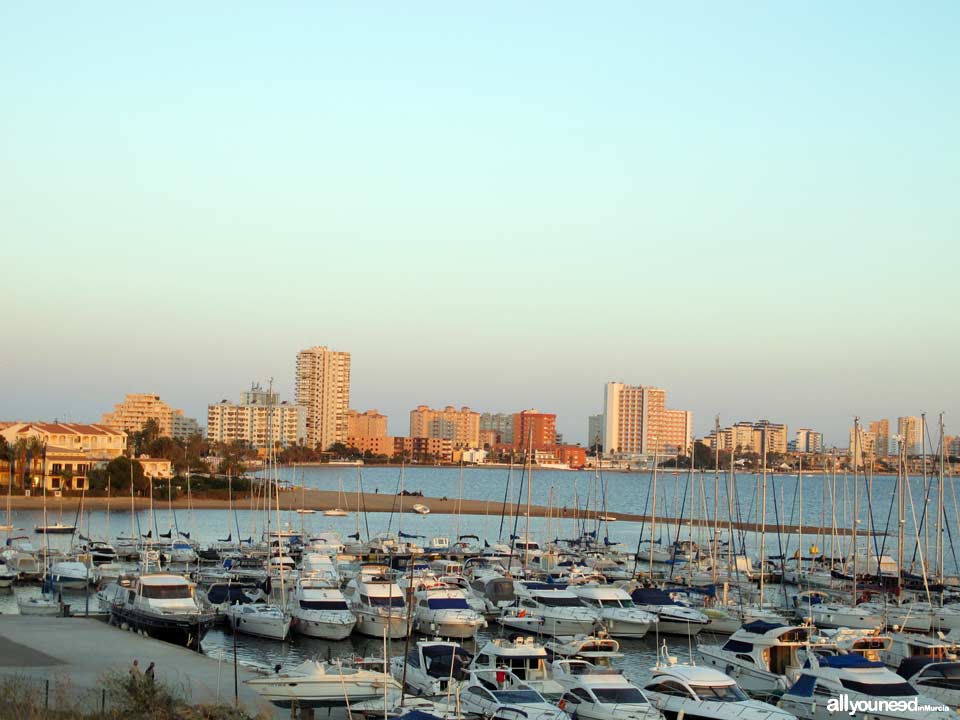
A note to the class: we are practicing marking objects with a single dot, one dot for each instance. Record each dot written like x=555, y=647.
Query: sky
x=500, y=205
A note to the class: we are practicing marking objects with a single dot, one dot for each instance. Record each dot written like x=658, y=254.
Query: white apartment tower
x=636, y=421
x=323, y=390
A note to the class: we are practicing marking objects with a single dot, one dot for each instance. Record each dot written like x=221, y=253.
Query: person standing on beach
x=149, y=673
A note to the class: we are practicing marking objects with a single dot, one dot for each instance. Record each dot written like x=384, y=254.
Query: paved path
x=78, y=652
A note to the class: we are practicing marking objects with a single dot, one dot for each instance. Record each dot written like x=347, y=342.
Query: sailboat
x=303, y=509
x=59, y=527
x=43, y=603
x=8, y=526
x=338, y=511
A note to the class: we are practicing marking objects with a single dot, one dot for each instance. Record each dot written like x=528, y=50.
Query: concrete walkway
x=75, y=654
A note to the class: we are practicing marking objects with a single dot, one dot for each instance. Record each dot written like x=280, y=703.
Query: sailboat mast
x=653, y=513
x=858, y=447
x=763, y=521
x=940, y=507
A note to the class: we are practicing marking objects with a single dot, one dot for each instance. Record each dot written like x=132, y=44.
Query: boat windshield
x=518, y=696
x=323, y=605
x=891, y=689
x=719, y=693
x=165, y=592
x=447, y=604
x=619, y=695
x=559, y=601
x=394, y=601
x=615, y=603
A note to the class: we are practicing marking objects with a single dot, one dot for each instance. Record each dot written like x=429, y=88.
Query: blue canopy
x=803, y=686
x=848, y=661
x=651, y=596
x=759, y=627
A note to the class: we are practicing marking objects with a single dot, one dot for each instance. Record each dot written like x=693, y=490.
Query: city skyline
x=496, y=206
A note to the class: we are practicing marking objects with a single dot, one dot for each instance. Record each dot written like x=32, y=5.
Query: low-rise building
x=379, y=445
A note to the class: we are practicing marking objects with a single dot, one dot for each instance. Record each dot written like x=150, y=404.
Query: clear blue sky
x=505, y=205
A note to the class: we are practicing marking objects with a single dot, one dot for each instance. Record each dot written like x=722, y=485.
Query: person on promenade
x=149, y=673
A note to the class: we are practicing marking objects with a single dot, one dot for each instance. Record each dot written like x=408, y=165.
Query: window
x=719, y=693
x=447, y=604
x=619, y=695
x=165, y=592
x=560, y=601
x=893, y=689
x=518, y=696
x=669, y=687
x=582, y=695
x=323, y=605
x=480, y=693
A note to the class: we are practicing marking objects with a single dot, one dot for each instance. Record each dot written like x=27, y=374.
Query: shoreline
x=320, y=500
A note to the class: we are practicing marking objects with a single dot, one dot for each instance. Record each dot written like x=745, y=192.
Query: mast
x=653, y=514
x=763, y=520
x=940, y=507
x=716, y=495
x=856, y=498
x=800, y=526
x=526, y=545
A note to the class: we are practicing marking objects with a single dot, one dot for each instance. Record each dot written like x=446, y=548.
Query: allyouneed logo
x=854, y=707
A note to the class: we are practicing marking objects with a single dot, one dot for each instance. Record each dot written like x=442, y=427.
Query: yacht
x=69, y=574
x=939, y=680
x=100, y=552
x=314, y=684
x=595, y=693
x=691, y=691
x=905, y=646
x=501, y=695
x=433, y=667
x=619, y=614
x=444, y=611
x=543, y=608
x=181, y=551
x=838, y=615
x=598, y=649
x=319, y=608
x=830, y=686
x=762, y=657
x=378, y=603
x=524, y=657
x=259, y=619
x=163, y=606
x=673, y=618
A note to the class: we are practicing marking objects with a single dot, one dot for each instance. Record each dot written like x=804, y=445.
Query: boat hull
x=324, y=629
x=184, y=631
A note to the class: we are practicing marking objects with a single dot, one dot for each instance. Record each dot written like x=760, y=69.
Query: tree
x=117, y=474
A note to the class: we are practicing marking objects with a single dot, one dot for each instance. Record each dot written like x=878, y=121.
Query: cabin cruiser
x=912, y=645
x=476, y=602
x=836, y=615
x=7, y=574
x=378, y=603
x=69, y=574
x=496, y=590
x=444, y=611
x=526, y=658
x=691, y=691
x=163, y=606
x=673, y=618
x=726, y=620
x=222, y=595
x=938, y=680
x=259, y=619
x=99, y=551
x=315, y=684
x=501, y=695
x=829, y=686
x=762, y=657
x=319, y=608
x=433, y=667
x=595, y=693
x=598, y=649
x=23, y=563
x=620, y=616
x=543, y=608
x=181, y=551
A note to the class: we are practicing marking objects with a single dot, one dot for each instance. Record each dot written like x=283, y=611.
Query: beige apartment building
x=751, y=437
x=461, y=427
x=370, y=424
x=132, y=414
x=258, y=421
x=880, y=429
x=910, y=430
x=636, y=421
x=323, y=390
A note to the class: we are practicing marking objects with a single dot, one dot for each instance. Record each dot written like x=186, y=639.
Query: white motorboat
x=690, y=691
x=762, y=657
x=525, y=657
x=830, y=686
x=319, y=608
x=444, y=611
x=620, y=616
x=57, y=528
x=259, y=619
x=38, y=604
x=543, y=608
x=673, y=618
x=69, y=574
x=378, y=603
x=811, y=606
x=938, y=680
x=25, y=564
x=433, y=668
x=181, y=551
x=162, y=605
x=501, y=695
x=335, y=512
x=421, y=509
x=7, y=575
x=905, y=646
x=315, y=684
x=597, y=649
x=595, y=693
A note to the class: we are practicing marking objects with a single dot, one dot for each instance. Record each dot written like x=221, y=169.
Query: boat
x=57, y=528
x=319, y=609
x=69, y=574
x=608, y=518
x=829, y=686
x=673, y=618
x=259, y=619
x=338, y=511
x=42, y=603
x=906, y=646
x=545, y=609
x=335, y=512
x=444, y=611
x=433, y=667
x=378, y=603
x=598, y=649
x=620, y=616
x=525, y=657
x=938, y=680
x=306, y=511
x=163, y=606
x=7, y=574
x=314, y=684
x=691, y=691
x=421, y=509
x=181, y=552
x=501, y=695
x=595, y=693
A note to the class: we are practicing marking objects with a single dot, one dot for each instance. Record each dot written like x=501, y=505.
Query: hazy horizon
x=500, y=206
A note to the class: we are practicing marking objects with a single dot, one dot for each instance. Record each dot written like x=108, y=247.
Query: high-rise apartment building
x=809, y=441
x=594, y=430
x=534, y=430
x=880, y=429
x=258, y=420
x=323, y=390
x=863, y=446
x=754, y=437
x=910, y=430
x=461, y=427
x=636, y=421
x=132, y=414
x=368, y=424
x=501, y=424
